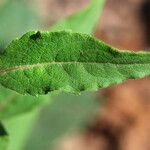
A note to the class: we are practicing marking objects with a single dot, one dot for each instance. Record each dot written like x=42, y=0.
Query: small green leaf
x=12, y=103
x=3, y=138
x=83, y=21
x=41, y=62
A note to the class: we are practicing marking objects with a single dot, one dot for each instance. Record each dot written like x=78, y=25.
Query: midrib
x=23, y=67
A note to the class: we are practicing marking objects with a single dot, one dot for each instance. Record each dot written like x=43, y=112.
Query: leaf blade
x=67, y=61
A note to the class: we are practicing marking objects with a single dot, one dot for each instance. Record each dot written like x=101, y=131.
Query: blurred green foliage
x=12, y=103
x=83, y=21
x=16, y=18
x=65, y=114
x=3, y=138
x=18, y=129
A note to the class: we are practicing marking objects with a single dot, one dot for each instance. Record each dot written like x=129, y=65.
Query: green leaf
x=41, y=62
x=3, y=138
x=12, y=103
x=83, y=21
x=16, y=18
x=66, y=114
x=19, y=128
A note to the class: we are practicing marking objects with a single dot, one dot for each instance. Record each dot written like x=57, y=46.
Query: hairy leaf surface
x=41, y=62
x=83, y=21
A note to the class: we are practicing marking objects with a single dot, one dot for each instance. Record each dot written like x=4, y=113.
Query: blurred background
x=116, y=118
